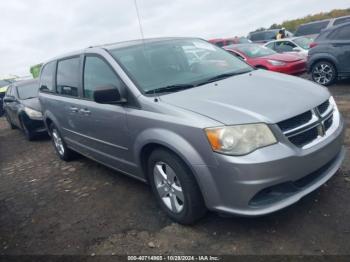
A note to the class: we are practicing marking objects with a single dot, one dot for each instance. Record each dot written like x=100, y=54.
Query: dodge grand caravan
x=211, y=133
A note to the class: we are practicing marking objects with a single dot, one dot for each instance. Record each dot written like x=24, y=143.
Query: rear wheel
x=174, y=187
x=60, y=146
x=12, y=126
x=324, y=73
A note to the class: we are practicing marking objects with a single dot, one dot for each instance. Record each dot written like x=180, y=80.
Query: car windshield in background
x=28, y=91
x=180, y=64
x=253, y=51
x=264, y=35
x=4, y=83
x=311, y=29
x=303, y=42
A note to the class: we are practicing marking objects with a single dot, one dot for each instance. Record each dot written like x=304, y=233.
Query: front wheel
x=175, y=187
x=324, y=73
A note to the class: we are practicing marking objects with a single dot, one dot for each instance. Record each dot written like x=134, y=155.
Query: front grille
x=295, y=121
x=306, y=127
x=304, y=137
x=322, y=108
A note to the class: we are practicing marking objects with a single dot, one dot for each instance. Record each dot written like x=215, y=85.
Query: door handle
x=85, y=111
x=74, y=109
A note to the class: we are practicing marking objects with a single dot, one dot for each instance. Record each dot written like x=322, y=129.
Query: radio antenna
x=138, y=17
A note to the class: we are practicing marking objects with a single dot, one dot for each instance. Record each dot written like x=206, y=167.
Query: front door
x=102, y=128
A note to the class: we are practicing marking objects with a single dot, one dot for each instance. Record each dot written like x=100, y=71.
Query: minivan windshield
x=28, y=91
x=174, y=65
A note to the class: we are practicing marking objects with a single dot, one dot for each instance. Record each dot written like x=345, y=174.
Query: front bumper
x=295, y=68
x=270, y=178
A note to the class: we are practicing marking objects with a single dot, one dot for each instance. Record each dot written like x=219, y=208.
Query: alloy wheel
x=57, y=140
x=323, y=73
x=168, y=187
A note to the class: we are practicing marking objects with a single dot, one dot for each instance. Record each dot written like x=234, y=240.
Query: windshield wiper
x=220, y=77
x=170, y=88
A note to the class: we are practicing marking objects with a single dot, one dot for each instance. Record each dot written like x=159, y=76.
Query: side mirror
x=110, y=94
x=9, y=99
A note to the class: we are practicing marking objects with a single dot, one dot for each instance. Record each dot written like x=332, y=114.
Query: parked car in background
x=265, y=58
x=3, y=87
x=229, y=41
x=299, y=45
x=266, y=36
x=329, y=57
x=205, y=135
x=312, y=29
x=22, y=108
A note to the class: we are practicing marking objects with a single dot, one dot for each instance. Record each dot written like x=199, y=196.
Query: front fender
x=318, y=57
x=168, y=139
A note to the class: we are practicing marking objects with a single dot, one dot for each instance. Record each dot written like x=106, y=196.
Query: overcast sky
x=34, y=31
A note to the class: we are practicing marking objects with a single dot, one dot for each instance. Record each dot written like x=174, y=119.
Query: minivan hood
x=259, y=96
x=32, y=103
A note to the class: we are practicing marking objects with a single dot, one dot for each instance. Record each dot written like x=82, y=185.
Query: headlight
x=276, y=63
x=240, y=139
x=33, y=113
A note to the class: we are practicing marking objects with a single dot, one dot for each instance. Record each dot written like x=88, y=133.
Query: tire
x=29, y=135
x=324, y=73
x=175, y=187
x=261, y=67
x=12, y=126
x=60, y=145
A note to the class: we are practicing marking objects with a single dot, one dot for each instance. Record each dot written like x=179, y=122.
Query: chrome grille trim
x=320, y=122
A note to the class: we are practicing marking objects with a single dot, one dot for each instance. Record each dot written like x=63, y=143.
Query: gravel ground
x=48, y=206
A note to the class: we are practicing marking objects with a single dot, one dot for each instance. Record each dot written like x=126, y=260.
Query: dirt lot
x=51, y=207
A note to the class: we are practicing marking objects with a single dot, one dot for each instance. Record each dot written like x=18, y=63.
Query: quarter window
x=46, y=77
x=68, y=76
x=98, y=74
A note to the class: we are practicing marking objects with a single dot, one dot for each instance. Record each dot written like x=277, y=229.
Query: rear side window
x=311, y=29
x=8, y=92
x=68, y=76
x=342, y=33
x=46, y=77
x=98, y=74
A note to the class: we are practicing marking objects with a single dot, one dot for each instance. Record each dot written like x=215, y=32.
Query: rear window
x=266, y=35
x=28, y=91
x=311, y=29
x=342, y=20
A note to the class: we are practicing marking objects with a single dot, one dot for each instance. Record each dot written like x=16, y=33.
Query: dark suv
x=329, y=57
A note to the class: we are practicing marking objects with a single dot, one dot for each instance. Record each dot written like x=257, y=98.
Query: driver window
x=97, y=73
x=284, y=46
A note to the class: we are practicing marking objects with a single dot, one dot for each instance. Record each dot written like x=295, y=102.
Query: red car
x=265, y=58
x=229, y=41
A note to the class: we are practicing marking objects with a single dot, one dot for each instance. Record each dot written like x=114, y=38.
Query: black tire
x=12, y=126
x=193, y=207
x=326, y=78
x=64, y=153
x=29, y=135
x=261, y=67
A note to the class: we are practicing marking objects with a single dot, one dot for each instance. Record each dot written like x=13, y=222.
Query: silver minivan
x=207, y=133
